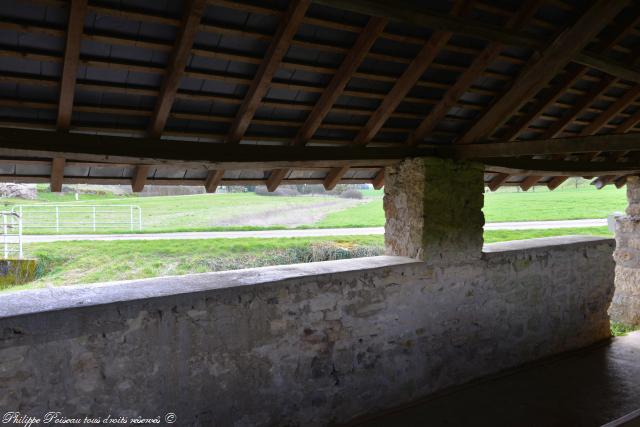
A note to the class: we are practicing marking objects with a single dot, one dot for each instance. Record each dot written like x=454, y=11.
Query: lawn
x=203, y=212
x=248, y=211
x=582, y=203
x=99, y=261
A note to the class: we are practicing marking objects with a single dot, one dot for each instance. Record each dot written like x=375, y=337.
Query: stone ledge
x=68, y=297
x=544, y=243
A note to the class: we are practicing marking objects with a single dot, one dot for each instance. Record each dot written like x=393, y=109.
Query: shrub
x=351, y=194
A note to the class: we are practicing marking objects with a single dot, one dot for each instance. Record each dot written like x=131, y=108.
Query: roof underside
x=300, y=74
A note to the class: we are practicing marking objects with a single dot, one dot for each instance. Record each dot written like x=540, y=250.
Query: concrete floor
x=589, y=388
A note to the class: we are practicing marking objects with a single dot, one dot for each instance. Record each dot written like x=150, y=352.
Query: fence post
x=4, y=232
x=20, y=236
x=140, y=218
x=94, y=218
x=131, y=217
x=57, y=220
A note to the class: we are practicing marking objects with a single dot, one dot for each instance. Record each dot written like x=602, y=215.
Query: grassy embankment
x=99, y=261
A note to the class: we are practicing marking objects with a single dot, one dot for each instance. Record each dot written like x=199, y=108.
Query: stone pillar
x=625, y=306
x=433, y=210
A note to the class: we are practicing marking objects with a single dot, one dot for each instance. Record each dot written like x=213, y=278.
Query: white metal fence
x=73, y=218
x=11, y=235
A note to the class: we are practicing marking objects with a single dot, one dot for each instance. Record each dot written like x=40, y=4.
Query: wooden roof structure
x=278, y=92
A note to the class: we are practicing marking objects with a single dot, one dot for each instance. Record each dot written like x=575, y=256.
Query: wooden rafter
x=213, y=180
x=176, y=66
x=171, y=81
x=75, y=27
x=556, y=128
x=378, y=180
x=398, y=92
x=569, y=77
x=538, y=73
x=77, y=12
x=334, y=90
x=57, y=174
x=464, y=82
x=629, y=22
x=278, y=47
x=258, y=88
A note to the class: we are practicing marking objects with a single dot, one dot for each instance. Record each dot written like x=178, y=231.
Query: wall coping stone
x=18, y=303
x=543, y=242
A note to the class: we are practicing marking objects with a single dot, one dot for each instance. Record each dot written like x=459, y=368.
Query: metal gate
x=11, y=235
x=67, y=218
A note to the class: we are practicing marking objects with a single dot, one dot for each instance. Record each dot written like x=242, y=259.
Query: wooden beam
x=171, y=81
x=19, y=143
x=400, y=89
x=57, y=174
x=275, y=178
x=537, y=74
x=139, y=178
x=614, y=68
x=541, y=147
x=555, y=182
x=572, y=74
x=630, y=20
x=278, y=47
x=214, y=177
x=334, y=176
x=415, y=13
x=558, y=127
x=176, y=66
x=378, y=180
x=339, y=81
x=534, y=167
x=497, y=181
x=403, y=85
x=334, y=90
x=468, y=77
x=75, y=26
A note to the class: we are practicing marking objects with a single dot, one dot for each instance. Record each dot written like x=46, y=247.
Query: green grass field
x=66, y=263
x=248, y=211
x=583, y=203
x=89, y=262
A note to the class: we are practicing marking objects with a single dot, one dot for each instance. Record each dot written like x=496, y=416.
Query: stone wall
x=299, y=345
x=433, y=209
x=625, y=307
